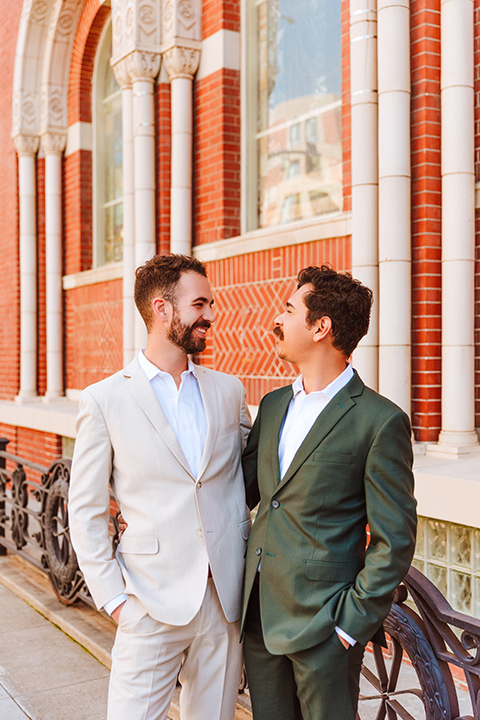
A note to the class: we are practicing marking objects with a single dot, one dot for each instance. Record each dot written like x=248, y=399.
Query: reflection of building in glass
x=300, y=161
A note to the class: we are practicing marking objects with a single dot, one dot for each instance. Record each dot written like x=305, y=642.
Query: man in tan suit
x=167, y=435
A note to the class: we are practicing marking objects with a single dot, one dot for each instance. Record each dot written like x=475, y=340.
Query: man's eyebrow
x=288, y=304
x=203, y=300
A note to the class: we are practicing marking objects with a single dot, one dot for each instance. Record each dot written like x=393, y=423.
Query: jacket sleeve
x=391, y=515
x=245, y=419
x=89, y=503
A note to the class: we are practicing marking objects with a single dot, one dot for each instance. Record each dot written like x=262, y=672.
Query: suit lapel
x=338, y=406
x=209, y=396
x=138, y=385
x=273, y=420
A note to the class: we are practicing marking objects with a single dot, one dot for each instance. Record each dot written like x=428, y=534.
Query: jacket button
x=199, y=533
x=275, y=504
x=258, y=551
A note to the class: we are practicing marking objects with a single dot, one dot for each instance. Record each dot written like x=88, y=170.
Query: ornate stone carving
x=39, y=11
x=181, y=19
x=54, y=143
x=181, y=61
x=143, y=65
x=136, y=27
x=26, y=144
x=53, y=110
x=122, y=74
x=26, y=114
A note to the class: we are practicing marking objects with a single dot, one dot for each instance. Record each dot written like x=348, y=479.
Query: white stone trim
x=328, y=226
x=219, y=51
x=56, y=417
x=79, y=137
x=105, y=273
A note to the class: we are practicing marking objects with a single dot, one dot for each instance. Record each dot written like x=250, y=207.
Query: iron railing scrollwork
x=34, y=521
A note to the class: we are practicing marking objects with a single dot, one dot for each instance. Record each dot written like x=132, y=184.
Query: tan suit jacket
x=177, y=526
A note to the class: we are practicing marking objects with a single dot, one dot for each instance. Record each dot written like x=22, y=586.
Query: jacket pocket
x=138, y=545
x=331, y=572
x=329, y=457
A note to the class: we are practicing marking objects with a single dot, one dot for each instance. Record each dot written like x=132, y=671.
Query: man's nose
x=209, y=315
x=279, y=320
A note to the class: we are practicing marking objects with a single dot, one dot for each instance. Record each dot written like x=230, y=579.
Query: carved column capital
x=122, y=73
x=53, y=143
x=143, y=65
x=181, y=61
x=26, y=145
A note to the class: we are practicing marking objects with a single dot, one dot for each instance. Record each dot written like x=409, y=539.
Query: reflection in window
x=108, y=157
x=298, y=122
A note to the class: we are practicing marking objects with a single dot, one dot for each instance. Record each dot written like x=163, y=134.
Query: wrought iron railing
x=34, y=521
x=427, y=638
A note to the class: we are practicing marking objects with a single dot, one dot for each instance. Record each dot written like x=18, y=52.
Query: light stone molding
x=53, y=143
x=135, y=27
x=25, y=112
x=181, y=21
x=26, y=144
x=181, y=61
x=143, y=65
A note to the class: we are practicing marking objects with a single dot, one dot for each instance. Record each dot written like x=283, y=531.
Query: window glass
x=298, y=119
x=108, y=192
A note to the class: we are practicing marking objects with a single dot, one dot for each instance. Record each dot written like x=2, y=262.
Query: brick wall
x=163, y=123
x=250, y=291
x=426, y=220
x=93, y=333
x=9, y=255
x=42, y=448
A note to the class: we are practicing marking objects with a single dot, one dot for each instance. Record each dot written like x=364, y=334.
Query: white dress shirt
x=185, y=412
x=301, y=414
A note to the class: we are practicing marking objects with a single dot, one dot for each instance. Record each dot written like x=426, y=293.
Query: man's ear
x=323, y=327
x=161, y=309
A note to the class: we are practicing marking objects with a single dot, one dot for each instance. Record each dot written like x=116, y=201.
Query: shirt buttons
x=199, y=485
x=275, y=504
x=258, y=551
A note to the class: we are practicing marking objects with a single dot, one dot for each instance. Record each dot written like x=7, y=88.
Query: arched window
x=295, y=111
x=108, y=151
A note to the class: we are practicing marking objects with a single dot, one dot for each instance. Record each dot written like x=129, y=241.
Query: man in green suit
x=326, y=457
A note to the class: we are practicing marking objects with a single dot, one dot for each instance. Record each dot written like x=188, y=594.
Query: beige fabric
x=176, y=526
x=210, y=673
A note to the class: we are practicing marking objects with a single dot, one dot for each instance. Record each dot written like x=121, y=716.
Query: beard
x=182, y=335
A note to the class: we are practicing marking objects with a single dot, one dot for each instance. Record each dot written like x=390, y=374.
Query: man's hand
x=116, y=613
x=122, y=526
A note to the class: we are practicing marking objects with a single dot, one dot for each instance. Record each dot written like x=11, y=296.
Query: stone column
x=364, y=101
x=143, y=67
x=129, y=311
x=53, y=145
x=394, y=225
x=458, y=434
x=26, y=147
x=181, y=63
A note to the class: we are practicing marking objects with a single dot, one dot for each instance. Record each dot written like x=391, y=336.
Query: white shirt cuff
x=345, y=636
x=112, y=604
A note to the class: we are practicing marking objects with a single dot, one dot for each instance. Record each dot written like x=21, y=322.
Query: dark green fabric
x=353, y=468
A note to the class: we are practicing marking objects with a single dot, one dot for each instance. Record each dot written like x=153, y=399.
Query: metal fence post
x=3, y=446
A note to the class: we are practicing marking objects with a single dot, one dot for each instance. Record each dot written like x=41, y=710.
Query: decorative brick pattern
x=220, y=15
x=78, y=212
x=426, y=220
x=163, y=120
x=217, y=157
x=93, y=333
x=39, y=447
x=250, y=291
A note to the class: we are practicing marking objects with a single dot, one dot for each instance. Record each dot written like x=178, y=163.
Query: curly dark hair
x=159, y=276
x=341, y=298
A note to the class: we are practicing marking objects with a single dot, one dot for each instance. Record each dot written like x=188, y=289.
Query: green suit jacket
x=353, y=469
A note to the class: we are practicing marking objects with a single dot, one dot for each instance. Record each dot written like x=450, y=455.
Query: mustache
x=203, y=324
x=277, y=330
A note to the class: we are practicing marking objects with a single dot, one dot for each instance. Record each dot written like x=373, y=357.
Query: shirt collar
x=152, y=370
x=332, y=389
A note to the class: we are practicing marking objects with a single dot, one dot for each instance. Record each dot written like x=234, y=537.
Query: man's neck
x=317, y=375
x=167, y=357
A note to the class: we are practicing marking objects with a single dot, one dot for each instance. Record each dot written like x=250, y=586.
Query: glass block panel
x=476, y=545
x=420, y=547
x=419, y=564
x=461, y=591
x=476, y=607
x=438, y=575
x=436, y=540
x=461, y=546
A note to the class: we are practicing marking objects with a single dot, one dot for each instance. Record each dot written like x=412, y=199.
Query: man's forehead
x=193, y=286
x=296, y=300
